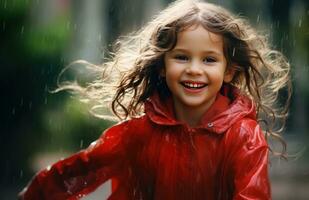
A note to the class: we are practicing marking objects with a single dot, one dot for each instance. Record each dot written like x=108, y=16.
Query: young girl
x=191, y=85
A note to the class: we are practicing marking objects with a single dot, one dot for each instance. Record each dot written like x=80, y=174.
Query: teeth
x=193, y=85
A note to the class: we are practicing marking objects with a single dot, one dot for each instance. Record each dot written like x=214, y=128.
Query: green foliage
x=70, y=126
x=11, y=8
x=48, y=39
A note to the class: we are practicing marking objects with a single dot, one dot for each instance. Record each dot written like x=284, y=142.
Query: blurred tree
x=288, y=31
x=30, y=59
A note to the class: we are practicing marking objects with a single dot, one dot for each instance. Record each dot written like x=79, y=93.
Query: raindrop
x=258, y=19
x=3, y=25
x=48, y=167
x=30, y=105
x=81, y=143
x=21, y=102
x=22, y=30
x=5, y=4
x=21, y=174
x=299, y=23
x=68, y=25
x=45, y=101
x=233, y=54
x=13, y=111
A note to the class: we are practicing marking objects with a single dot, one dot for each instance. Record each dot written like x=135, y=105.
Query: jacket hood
x=222, y=114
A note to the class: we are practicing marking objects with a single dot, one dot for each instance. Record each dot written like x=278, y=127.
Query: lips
x=193, y=84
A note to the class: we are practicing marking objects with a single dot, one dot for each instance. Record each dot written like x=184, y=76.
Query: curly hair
x=132, y=74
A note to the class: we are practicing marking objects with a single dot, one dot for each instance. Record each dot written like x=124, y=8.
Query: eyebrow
x=208, y=51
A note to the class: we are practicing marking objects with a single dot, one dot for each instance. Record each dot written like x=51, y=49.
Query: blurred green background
x=40, y=37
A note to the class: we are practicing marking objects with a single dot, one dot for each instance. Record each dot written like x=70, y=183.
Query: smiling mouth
x=193, y=85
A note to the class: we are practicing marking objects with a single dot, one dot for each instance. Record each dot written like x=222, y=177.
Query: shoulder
x=127, y=124
x=125, y=128
x=246, y=131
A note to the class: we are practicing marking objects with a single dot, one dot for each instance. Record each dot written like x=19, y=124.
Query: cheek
x=172, y=69
x=170, y=77
x=216, y=74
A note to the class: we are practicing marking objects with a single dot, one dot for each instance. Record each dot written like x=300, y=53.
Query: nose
x=194, y=68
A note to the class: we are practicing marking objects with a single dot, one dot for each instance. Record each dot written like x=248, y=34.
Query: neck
x=191, y=115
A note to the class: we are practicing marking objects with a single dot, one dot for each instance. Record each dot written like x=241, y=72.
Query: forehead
x=199, y=32
x=198, y=37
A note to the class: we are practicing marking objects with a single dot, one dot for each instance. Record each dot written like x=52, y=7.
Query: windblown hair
x=132, y=74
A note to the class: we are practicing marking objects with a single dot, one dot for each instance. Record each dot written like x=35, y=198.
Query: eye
x=181, y=57
x=210, y=60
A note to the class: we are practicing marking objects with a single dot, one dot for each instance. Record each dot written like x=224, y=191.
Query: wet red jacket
x=157, y=157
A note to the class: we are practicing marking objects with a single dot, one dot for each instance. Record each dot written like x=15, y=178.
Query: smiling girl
x=194, y=71
x=191, y=87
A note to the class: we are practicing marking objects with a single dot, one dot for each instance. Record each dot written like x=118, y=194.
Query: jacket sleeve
x=250, y=163
x=83, y=172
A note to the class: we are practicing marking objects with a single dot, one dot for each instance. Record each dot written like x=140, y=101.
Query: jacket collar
x=222, y=114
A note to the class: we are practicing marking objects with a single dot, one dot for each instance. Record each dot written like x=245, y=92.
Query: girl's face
x=195, y=69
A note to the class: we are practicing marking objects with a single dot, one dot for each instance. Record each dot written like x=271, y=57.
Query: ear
x=229, y=74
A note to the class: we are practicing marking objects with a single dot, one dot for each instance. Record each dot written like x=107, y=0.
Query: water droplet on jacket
x=69, y=192
x=167, y=138
x=93, y=143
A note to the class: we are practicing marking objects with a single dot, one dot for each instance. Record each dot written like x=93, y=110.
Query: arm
x=83, y=172
x=250, y=164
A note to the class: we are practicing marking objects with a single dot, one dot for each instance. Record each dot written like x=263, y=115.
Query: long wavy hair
x=132, y=73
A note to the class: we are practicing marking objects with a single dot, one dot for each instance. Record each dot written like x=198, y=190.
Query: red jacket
x=157, y=157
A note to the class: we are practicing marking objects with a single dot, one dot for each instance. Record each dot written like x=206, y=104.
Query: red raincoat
x=157, y=157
